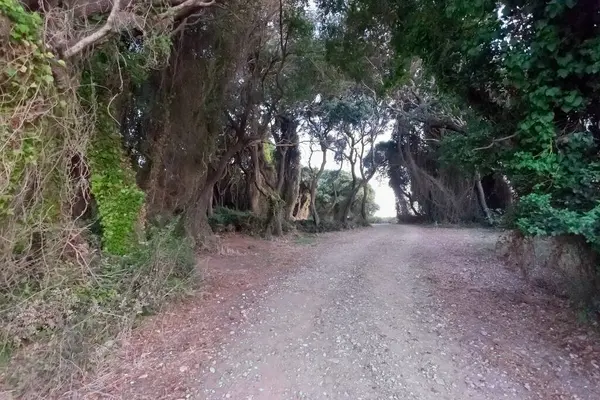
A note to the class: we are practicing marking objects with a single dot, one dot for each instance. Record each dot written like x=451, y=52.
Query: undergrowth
x=66, y=294
x=229, y=220
x=308, y=226
x=66, y=327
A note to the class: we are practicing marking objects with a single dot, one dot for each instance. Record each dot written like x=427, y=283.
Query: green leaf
x=11, y=72
x=563, y=61
x=551, y=46
x=570, y=3
x=577, y=101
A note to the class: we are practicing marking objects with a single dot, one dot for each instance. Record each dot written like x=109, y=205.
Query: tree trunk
x=302, y=209
x=313, y=208
x=481, y=197
x=348, y=205
x=291, y=193
x=402, y=207
x=363, y=206
x=196, y=222
x=274, y=225
x=288, y=163
x=314, y=183
x=254, y=182
x=210, y=212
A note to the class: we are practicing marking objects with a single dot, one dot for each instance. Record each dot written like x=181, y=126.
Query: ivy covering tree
x=129, y=127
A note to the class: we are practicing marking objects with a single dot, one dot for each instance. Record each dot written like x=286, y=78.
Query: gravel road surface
x=398, y=312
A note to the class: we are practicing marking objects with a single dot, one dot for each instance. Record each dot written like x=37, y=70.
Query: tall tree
x=527, y=71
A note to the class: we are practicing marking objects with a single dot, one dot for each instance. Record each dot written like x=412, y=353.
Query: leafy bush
x=226, y=219
x=308, y=226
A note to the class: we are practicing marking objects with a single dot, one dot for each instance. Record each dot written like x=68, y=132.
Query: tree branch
x=495, y=141
x=185, y=8
x=120, y=19
x=96, y=36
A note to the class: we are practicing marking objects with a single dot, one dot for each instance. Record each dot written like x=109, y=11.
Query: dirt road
x=389, y=312
x=398, y=312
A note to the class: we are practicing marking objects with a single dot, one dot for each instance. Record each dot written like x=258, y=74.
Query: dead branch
x=98, y=35
x=122, y=17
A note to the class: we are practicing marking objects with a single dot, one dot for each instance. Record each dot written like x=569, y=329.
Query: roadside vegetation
x=133, y=132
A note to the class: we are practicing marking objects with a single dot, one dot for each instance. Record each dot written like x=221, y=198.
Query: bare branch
x=431, y=120
x=495, y=141
x=97, y=35
x=185, y=8
x=123, y=17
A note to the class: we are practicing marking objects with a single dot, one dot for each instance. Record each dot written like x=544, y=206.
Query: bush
x=308, y=226
x=60, y=329
x=228, y=220
x=383, y=220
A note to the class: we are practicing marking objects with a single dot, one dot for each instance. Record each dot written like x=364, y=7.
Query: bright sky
x=384, y=195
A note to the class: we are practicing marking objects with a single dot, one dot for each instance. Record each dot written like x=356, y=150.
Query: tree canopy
x=521, y=76
x=128, y=123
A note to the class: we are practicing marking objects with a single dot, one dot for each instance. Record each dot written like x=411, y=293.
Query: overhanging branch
x=186, y=8
x=97, y=35
x=122, y=16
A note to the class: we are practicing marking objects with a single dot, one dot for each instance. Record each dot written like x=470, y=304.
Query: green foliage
x=351, y=110
x=26, y=25
x=227, y=219
x=333, y=190
x=119, y=200
x=269, y=152
x=141, y=56
x=327, y=225
x=557, y=166
x=538, y=216
x=31, y=71
x=155, y=269
x=26, y=79
x=62, y=297
x=526, y=77
x=114, y=188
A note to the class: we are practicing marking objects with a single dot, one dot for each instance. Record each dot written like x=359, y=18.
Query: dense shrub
x=309, y=226
x=228, y=220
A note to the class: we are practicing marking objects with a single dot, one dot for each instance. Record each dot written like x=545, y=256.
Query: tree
x=334, y=191
x=523, y=70
x=359, y=120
